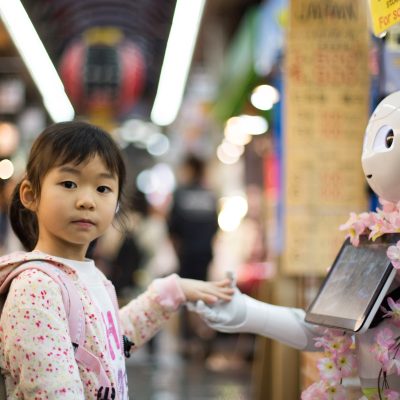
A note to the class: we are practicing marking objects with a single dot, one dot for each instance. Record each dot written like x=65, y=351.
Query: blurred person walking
x=192, y=224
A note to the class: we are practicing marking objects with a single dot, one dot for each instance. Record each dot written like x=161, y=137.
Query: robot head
x=381, y=149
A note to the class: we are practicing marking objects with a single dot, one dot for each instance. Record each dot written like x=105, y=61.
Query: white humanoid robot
x=381, y=165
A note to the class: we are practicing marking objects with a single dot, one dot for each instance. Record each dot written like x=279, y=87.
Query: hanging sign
x=384, y=14
x=326, y=112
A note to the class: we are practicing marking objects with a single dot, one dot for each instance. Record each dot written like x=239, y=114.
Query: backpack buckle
x=106, y=393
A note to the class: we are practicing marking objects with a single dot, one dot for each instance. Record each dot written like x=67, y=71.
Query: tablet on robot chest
x=355, y=286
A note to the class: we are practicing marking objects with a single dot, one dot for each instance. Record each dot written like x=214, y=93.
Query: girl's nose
x=86, y=202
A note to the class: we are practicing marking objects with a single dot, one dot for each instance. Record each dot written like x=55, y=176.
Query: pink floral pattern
x=36, y=354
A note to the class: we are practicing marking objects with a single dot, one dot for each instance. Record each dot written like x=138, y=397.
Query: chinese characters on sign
x=327, y=98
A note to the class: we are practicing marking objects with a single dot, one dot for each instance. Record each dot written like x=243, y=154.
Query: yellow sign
x=384, y=14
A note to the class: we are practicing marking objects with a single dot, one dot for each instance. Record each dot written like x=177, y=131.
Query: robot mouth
x=369, y=176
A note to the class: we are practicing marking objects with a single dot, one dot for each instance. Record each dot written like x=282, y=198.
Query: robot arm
x=245, y=314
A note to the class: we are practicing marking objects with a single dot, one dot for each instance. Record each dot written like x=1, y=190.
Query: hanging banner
x=326, y=113
x=384, y=14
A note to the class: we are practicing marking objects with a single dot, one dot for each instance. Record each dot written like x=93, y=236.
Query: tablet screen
x=355, y=285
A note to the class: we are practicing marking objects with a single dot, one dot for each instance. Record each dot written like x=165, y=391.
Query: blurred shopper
x=192, y=224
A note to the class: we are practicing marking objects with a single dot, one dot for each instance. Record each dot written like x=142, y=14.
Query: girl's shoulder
x=32, y=268
x=11, y=261
x=33, y=290
x=34, y=280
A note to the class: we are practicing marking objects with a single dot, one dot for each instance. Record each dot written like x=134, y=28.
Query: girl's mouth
x=84, y=223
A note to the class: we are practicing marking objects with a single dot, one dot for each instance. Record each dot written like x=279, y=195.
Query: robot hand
x=224, y=316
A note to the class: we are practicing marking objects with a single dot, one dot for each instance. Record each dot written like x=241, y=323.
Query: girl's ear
x=27, y=195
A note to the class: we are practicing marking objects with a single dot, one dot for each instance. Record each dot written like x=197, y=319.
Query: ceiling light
x=235, y=132
x=226, y=158
x=264, y=97
x=177, y=60
x=238, y=129
x=36, y=59
x=6, y=169
x=233, y=210
x=254, y=124
x=231, y=149
x=157, y=144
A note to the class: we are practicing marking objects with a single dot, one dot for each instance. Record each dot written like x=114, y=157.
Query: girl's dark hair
x=61, y=143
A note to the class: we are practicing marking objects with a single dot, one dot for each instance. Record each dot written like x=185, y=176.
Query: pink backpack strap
x=75, y=314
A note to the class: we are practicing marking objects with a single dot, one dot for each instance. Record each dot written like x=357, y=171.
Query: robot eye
x=383, y=139
x=389, y=139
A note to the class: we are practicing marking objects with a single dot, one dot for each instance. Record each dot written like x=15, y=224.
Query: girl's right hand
x=208, y=292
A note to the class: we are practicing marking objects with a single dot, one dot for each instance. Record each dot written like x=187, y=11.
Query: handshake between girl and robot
x=374, y=353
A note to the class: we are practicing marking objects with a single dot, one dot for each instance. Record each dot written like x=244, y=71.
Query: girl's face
x=77, y=203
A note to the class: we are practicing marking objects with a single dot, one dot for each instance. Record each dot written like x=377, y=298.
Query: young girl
x=67, y=199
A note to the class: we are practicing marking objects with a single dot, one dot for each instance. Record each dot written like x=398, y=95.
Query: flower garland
x=339, y=360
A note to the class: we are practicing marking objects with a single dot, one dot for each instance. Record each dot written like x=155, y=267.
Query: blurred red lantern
x=103, y=75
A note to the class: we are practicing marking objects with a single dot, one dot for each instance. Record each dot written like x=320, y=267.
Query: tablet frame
x=362, y=324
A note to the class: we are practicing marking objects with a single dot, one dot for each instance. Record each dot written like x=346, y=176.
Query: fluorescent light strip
x=177, y=60
x=36, y=59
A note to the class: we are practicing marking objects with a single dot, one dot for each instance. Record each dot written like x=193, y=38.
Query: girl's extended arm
x=38, y=355
x=142, y=317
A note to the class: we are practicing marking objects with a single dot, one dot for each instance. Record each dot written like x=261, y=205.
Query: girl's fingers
x=223, y=283
x=225, y=296
x=209, y=292
x=210, y=299
x=223, y=293
x=225, y=290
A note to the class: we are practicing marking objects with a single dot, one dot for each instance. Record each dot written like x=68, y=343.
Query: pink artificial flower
x=385, y=337
x=384, y=340
x=393, y=253
x=323, y=341
x=341, y=344
x=354, y=227
x=390, y=395
x=381, y=226
x=395, y=313
x=394, y=221
x=346, y=363
x=334, y=341
x=367, y=218
x=388, y=206
x=337, y=392
x=328, y=370
x=315, y=391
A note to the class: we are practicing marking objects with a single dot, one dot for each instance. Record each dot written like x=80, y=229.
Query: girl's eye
x=69, y=184
x=104, y=189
